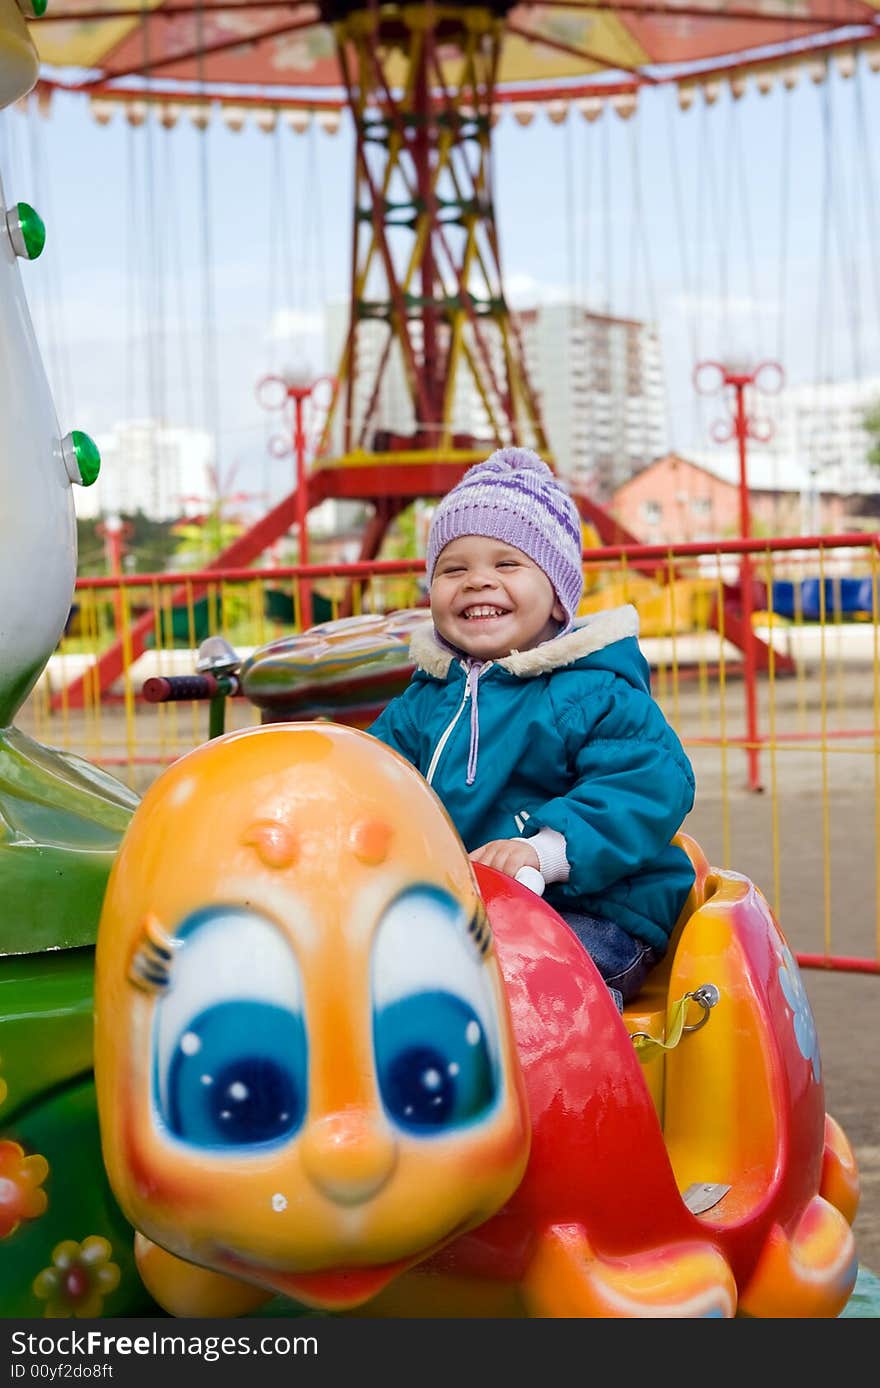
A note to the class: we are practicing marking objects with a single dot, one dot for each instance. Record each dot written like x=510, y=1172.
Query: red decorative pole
x=114, y=531
x=709, y=378
x=275, y=393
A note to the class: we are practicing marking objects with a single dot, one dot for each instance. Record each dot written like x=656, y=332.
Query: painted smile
x=328, y=1288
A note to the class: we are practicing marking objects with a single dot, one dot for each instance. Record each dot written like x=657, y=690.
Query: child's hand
x=507, y=855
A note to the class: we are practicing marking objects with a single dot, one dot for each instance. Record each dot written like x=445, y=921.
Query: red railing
x=837, y=726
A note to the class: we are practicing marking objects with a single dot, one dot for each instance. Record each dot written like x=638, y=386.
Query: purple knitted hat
x=514, y=497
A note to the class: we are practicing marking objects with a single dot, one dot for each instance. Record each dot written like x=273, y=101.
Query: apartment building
x=823, y=425
x=598, y=381
x=150, y=467
x=601, y=389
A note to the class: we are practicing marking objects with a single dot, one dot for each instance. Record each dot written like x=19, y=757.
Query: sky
x=180, y=267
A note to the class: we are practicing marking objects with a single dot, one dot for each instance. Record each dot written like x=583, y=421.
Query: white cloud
x=525, y=291
x=290, y=323
x=732, y=306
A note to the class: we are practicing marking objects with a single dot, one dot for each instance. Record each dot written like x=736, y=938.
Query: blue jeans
x=623, y=960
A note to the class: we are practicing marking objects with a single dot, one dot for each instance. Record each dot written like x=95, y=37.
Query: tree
x=401, y=542
x=149, y=546
x=871, y=425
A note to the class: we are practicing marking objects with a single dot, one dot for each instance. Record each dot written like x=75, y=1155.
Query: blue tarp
x=843, y=597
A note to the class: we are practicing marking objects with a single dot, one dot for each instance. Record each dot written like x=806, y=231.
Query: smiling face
x=306, y=1072
x=488, y=598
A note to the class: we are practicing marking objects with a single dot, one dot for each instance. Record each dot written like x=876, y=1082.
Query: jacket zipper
x=438, y=750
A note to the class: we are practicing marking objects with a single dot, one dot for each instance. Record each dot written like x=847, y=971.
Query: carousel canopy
x=226, y=48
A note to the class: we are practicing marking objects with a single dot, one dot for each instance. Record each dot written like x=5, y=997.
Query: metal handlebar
x=216, y=680
x=163, y=689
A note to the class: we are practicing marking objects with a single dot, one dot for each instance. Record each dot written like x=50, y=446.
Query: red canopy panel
x=288, y=46
x=675, y=40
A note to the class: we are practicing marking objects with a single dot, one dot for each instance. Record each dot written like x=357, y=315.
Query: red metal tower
x=428, y=316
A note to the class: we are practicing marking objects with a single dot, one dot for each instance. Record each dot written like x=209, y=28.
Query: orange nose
x=349, y=1155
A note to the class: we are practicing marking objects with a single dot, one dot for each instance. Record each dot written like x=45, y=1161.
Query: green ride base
x=50, y=1109
x=61, y=822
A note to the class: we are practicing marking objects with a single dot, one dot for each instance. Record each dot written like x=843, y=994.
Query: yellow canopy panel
x=289, y=45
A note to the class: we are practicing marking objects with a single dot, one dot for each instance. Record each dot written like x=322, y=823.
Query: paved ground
x=817, y=819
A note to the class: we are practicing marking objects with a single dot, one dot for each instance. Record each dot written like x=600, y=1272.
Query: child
x=540, y=736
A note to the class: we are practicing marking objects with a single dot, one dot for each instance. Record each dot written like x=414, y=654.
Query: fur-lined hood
x=590, y=635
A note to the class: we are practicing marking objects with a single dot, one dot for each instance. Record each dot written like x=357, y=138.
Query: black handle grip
x=163, y=689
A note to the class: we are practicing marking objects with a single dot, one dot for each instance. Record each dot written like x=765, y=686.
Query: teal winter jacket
x=565, y=736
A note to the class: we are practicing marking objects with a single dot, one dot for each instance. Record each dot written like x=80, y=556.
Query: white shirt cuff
x=551, y=849
x=531, y=878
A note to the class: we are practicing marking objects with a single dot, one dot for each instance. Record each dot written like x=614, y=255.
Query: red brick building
x=675, y=500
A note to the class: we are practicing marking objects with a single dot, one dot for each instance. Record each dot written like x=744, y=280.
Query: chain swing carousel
x=236, y=1135
x=422, y=86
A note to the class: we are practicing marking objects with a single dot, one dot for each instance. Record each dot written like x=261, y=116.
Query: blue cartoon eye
x=435, y=1025
x=433, y=1061
x=230, y=1047
x=237, y=1076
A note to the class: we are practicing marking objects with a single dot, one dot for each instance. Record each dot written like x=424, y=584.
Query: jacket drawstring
x=473, y=684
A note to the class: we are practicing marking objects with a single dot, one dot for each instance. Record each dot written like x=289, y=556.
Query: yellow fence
x=764, y=657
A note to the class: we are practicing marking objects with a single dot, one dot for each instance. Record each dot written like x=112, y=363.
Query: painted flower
x=20, y=1180
x=802, y=1014
x=80, y=1277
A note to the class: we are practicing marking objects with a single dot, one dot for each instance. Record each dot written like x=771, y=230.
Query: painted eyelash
x=480, y=930
x=150, y=968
